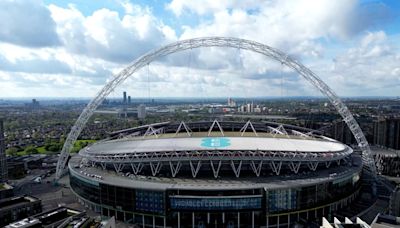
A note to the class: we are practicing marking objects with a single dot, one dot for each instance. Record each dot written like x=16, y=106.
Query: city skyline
x=72, y=49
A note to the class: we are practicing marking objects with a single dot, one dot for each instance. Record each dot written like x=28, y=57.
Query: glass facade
x=282, y=200
x=215, y=207
x=85, y=189
x=285, y=200
x=150, y=201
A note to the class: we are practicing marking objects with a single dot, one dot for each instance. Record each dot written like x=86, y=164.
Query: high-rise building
x=231, y=102
x=124, y=95
x=387, y=132
x=141, y=111
x=129, y=99
x=248, y=109
x=3, y=158
x=341, y=132
x=34, y=105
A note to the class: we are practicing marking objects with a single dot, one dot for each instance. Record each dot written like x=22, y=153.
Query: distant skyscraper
x=129, y=99
x=248, y=108
x=141, y=112
x=231, y=102
x=3, y=158
x=124, y=94
x=387, y=132
x=34, y=104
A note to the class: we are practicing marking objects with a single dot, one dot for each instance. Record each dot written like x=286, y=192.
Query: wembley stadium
x=216, y=174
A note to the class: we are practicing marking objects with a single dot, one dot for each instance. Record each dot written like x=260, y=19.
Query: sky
x=60, y=48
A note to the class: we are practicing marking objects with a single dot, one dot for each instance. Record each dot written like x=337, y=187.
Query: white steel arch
x=368, y=161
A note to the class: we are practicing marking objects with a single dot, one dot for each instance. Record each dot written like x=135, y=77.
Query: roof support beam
x=327, y=164
x=212, y=127
x=215, y=168
x=244, y=128
x=175, y=169
x=150, y=131
x=313, y=165
x=294, y=166
x=280, y=130
x=195, y=169
x=236, y=169
x=136, y=167
x=256, y=168
x=155, y=168
x=187, y=129
x=118, y=167
x=276, y=167
x=298, y=133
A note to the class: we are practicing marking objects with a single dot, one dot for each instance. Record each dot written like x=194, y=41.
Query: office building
x=387, y=132
x=141, y=111
x=16, y=208
x=124, y=98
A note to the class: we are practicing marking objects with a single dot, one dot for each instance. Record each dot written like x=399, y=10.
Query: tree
x=31, y=150
x=53, y=146
x=12, y=151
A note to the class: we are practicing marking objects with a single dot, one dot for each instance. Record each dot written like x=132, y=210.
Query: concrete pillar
x=179, y=220
x=252, y=219
x=238, y=220
x=277, y=221
x=193, y=219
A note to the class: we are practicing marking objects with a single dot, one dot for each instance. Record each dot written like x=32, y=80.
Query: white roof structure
x=275, y=147
x=215, y=143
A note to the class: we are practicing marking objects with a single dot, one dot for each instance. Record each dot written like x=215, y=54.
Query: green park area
x=48, y=148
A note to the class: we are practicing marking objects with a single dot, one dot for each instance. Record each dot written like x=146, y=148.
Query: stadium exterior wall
x=252, y=207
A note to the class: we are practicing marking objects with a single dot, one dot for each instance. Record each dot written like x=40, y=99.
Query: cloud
x=27, y=23
x=50, y=66
x=284, y=24
x=107, y=36
x=88, y=48
x=371, y=65
x=208, y=6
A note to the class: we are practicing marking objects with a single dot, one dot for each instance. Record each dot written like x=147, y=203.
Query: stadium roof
x=215, y=143
x=162, y=183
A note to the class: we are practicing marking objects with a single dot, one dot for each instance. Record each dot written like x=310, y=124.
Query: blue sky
x=72, y=48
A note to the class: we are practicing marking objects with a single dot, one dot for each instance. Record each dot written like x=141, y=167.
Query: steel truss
x=216, y=159
x=284, y=59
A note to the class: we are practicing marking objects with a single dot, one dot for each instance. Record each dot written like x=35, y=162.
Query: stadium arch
x=311, y=77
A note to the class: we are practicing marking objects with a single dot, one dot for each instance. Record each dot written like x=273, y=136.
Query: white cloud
x=27, y=23
x=372, y=65
x=91, y=47
x=208, y=6
x=105, y=35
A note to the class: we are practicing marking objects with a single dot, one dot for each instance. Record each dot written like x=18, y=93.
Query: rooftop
x=201, y=141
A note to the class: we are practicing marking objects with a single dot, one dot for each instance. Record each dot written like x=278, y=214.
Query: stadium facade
x=216, y=174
